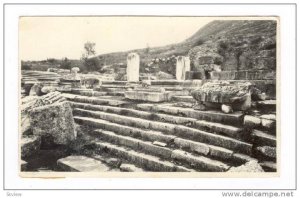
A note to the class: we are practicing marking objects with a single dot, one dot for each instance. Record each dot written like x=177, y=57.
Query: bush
x=91, y=64
x=25, y=67
x=65, y=64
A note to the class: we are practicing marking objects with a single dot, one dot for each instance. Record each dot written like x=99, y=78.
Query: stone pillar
x=133, y=67
x=182, y=66
x=187, y=64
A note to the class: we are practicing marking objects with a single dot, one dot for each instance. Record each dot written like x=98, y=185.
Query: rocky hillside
x=228, y=44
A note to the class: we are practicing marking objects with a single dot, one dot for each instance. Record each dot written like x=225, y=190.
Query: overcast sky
x=57, y=37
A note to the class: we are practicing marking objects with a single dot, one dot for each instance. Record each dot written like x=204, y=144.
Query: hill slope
x=231, y=39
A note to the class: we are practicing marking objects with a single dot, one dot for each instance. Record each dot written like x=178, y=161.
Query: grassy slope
x=231, y=29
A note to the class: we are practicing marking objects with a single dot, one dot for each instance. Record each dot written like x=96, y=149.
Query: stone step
x=188, y=145
x=199, y=162
x=267, y=105
x=88, y=92
x=116, y=93
x=81, y=164
x=133, y=143
x=136, y=113
x=204, y=125
x=143, y=160
x=235, y=118
x=147, y=96
x=108, y=82
x=262, y=138
x=182, y=131
x=189, y=99
x=96, y=100
x=213, y=127
x=112, y=89
x=115, y=86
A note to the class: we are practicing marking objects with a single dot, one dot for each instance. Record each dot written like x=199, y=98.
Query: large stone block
x=55, y=120
x=81, y=164
x=235, y=94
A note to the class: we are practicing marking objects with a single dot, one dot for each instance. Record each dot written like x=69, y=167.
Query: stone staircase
x=164, y=137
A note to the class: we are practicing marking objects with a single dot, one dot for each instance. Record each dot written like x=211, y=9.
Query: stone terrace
x=171, y=136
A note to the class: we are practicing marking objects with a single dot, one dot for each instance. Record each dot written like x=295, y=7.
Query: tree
x=89, y=49
x=90, y=63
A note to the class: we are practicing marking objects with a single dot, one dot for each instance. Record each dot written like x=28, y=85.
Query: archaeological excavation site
x=205, y=104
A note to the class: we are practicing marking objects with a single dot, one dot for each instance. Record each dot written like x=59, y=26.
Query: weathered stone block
x=81, y=164
x=251, y=121
x=235, y=94
x=55, y=120
x=268, y=124
x=267, y=151
x=29, y=146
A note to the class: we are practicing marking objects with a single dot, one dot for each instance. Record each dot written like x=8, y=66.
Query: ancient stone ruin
x=212, y=123
x=182, y=66
x=133, y=67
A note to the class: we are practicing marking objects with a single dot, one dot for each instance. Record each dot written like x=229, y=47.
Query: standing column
x=182, y=66
x=133, y=67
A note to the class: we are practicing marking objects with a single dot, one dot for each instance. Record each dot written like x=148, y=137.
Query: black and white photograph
x=146, y=94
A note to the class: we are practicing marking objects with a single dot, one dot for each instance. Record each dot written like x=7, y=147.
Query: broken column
x=133, y=67
x=182, y=66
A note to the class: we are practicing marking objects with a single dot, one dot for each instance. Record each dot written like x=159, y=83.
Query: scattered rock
x=251, y=121
x=267, y=151
x=36, y=90
x=56, y=120
x=251, y=166
x=157, y=143
x=48, y=89
x=226, y=108
x=113, y=162
x=200, y=107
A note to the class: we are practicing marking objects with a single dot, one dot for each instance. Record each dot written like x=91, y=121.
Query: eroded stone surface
x=81, y=164
x=267, y=151
x=235, y=94
x=251, y=121
x=55, y=120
